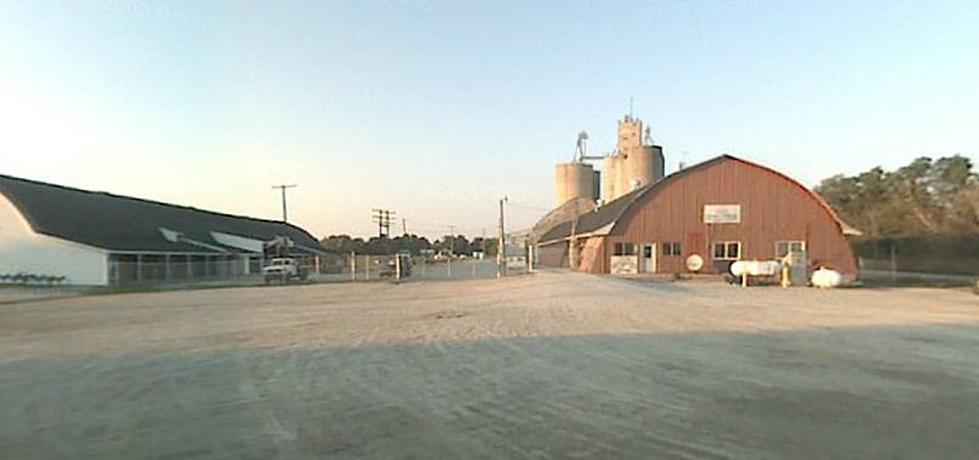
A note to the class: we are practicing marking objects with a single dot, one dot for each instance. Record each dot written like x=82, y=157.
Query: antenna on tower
x=630, y=106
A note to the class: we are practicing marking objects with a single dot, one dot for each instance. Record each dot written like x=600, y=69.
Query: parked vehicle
x=284, y=270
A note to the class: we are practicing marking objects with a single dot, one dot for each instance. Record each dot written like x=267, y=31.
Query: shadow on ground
x=885, y=392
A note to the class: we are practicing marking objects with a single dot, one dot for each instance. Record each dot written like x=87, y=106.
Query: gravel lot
x=554, y=365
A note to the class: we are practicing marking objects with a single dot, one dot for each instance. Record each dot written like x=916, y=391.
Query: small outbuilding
x=717, y=212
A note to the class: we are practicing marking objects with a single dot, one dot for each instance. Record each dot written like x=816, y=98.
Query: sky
x=438, y=109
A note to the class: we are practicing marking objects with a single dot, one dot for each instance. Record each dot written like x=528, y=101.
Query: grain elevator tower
x=636, y=162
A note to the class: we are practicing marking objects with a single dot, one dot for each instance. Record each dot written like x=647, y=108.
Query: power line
x=527, y=206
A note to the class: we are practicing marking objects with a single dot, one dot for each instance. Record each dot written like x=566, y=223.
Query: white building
x=54, y=233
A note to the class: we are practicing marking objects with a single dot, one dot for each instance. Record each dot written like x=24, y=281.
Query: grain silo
x=577, y=179
x=611, y=179
x=574, y=180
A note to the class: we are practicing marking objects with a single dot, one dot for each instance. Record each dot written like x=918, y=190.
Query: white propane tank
x=826, y=278
x=695, y=263
x=756, y=268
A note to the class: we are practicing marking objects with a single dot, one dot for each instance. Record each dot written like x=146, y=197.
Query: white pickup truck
x=283, y=270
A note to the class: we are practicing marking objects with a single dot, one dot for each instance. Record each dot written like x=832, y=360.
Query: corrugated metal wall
x=773, y=208
x=553, y=255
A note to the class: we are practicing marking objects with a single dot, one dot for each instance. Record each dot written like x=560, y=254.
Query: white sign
x=722, y=213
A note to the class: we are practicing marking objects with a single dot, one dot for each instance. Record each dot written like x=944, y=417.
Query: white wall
x=23, y=251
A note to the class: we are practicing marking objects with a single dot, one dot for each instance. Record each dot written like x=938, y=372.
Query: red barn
x=721, y=210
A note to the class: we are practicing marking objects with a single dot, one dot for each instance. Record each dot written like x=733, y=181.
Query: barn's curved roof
x=603, y=219
x=122, y=223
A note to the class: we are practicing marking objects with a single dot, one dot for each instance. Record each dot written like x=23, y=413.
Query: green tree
x=923, y=198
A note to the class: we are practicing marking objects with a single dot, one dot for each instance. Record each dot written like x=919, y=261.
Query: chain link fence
x=244, y=270
x=936, y=260
x=352, y=267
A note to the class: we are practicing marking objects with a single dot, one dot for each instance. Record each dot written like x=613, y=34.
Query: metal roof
x=603, y=219
x=121, y=223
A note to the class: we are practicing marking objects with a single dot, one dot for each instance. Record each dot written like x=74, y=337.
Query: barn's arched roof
x=604, y=219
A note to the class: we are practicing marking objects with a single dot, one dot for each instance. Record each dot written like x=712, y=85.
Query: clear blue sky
x=436, y=109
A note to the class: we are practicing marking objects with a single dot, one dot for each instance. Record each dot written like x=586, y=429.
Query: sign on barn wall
x=722, y=213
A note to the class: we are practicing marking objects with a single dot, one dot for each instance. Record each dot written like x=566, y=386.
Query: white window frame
x=788, y=246
x=713, y=250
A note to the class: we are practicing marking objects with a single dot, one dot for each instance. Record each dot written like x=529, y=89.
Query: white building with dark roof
x=61, y=234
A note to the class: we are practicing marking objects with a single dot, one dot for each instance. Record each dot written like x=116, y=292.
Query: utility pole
x=404, y=226
x=283, y=189
x=383, y=219
x=452, y=245
x=501, y=244
x=282, y=250
x=572, y=257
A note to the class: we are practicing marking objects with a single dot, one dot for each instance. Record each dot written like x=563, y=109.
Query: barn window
x=672, y=249
x=727, y=250
x=624, y=249
x=783, y=248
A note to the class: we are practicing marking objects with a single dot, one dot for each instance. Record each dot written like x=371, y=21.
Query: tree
x=375, y=245
x=925, y=197
x=342, y=244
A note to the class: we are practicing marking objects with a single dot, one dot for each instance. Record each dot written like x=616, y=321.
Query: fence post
x=893, y=263
x=353, y=266
x=367, y=268
x=449, y=262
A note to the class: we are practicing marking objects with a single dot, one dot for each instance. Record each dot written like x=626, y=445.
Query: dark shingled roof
x=594, y=220
x=121, y=223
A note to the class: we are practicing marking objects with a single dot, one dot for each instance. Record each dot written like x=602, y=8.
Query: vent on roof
x=170, y=235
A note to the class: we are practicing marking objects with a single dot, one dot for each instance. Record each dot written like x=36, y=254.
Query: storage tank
x=596, y=189
x=641, y=167
x=659, y=163
x=574, y=180
x=610, y=179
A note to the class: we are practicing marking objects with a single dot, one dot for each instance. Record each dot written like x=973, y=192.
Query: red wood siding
x=592, y=255
x=773, y=208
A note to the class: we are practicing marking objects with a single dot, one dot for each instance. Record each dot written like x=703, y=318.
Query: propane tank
x=826, y=278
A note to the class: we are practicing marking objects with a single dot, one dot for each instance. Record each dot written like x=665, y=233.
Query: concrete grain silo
x=574, y=180
x=611, y=178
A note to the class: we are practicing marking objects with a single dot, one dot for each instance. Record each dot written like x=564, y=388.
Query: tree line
x=458, y=244
x=925, y=198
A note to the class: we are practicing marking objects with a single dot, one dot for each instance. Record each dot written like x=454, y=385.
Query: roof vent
x=170, y=235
